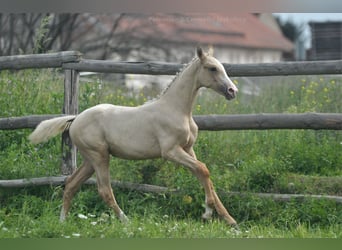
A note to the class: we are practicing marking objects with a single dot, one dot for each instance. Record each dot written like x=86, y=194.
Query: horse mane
x=185, y=66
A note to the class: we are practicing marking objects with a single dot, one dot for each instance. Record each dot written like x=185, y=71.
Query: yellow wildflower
x=187, y=199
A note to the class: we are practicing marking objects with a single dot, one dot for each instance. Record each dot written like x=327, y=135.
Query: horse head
x=213, y=75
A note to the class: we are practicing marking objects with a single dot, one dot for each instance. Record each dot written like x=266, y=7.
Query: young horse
x=162, y=128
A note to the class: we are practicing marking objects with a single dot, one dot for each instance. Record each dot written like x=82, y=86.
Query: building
x=238, y=38
x=241, y=38
x=326, y=41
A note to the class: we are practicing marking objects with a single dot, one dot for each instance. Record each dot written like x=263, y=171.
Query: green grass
x=282, y=161
x=32, y=213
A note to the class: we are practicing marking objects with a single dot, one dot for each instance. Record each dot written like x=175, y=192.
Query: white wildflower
x=82, y=216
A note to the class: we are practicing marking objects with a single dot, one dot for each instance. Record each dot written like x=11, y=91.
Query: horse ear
x=200, y=53
x=211, y=50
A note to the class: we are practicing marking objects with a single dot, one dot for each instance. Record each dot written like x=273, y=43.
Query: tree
x=35, y=32
x=290, y=29
x=39, y=33
x=96, y=36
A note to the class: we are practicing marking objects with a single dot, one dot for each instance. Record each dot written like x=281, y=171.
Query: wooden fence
x=72, y=63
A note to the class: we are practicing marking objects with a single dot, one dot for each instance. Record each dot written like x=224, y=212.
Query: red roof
x=238, y=30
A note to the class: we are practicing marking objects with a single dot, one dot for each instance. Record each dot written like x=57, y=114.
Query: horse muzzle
x=230, y=93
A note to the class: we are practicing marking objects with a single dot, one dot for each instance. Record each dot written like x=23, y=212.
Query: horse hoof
x=62, y=216
x=207, y=216
x=236, y=227
x=123, y=218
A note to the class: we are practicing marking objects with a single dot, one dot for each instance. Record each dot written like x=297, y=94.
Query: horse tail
x=50, y=128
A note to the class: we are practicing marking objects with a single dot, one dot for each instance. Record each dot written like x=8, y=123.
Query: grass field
x=280, y=161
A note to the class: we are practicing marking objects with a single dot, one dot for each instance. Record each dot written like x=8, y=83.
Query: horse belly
x=132, y=150
x=135, y=145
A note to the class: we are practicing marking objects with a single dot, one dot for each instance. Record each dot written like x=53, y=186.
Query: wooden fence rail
x=72, y=60
x=147, y=188
x=51, y=60
x=270, y=121
x=316, y=121
x=253, y=69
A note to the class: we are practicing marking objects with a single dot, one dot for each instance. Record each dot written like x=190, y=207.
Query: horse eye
x=213, y=69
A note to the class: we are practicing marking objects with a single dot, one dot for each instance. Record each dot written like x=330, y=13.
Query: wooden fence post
x=69, y=153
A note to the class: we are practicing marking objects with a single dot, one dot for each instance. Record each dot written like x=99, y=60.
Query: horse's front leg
x=199, y=169
x=208, y=210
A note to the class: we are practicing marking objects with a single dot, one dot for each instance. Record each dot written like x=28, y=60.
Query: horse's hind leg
x=73, y=182
x=100, y=161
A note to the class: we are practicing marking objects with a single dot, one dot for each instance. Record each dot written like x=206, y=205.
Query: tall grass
x=288, y=161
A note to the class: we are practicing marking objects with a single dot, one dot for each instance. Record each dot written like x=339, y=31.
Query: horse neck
x=181, y=94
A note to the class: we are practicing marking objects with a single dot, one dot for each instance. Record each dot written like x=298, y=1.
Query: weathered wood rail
x=147, y=188
x=73, y=60
x=252, y=69
x=316, y=121
x=50, y=60
x=72, y=63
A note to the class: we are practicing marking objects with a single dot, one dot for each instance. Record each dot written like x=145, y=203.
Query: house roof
x=238, y=30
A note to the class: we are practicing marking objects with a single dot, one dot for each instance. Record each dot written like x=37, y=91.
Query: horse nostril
x=231, y=91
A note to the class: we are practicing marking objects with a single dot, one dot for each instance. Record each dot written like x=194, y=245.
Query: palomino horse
x=161, y=128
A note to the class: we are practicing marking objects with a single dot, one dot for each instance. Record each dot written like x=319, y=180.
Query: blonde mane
x=185, y=66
